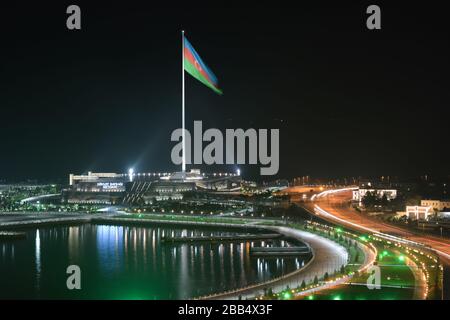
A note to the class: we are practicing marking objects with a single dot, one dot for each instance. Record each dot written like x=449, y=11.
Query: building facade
x=438, y=205
x=144, y=188
x=359, y=194
x=419, y=212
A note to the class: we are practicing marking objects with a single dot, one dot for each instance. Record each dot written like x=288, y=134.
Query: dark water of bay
x=129, y=262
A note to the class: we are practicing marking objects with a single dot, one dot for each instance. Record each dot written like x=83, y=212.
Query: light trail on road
x=426, y=243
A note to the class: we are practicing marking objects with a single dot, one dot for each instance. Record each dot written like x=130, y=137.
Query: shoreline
x=316, y=243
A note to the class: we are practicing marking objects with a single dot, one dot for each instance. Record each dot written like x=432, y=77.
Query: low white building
x=438, y=205
x=91, y=176
x=358, y=194
x=419, y=212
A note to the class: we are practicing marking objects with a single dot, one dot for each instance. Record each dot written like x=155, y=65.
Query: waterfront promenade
x=14, y=220
x=328, y=256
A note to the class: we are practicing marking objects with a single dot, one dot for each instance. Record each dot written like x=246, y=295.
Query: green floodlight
x=401, y=258
x=339, y=230
x=286, y=295
x=311, y=297
x=337, y=297
x=385, y=253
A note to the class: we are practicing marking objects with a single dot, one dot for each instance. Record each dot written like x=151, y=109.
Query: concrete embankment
x=223, y=238
x=280, y=251
x=21, y=220
x=37, y=222
x=180, y=223
x=12, y=235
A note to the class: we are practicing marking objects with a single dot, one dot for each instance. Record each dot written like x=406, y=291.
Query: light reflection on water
x=38, y=258
x=128, y=262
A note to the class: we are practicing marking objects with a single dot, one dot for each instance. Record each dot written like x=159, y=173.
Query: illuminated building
x=114, y=188
x=437, y=205
x=418, y=212
x=359, y=194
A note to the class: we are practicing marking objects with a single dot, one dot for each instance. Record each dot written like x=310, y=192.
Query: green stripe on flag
x=197, y=75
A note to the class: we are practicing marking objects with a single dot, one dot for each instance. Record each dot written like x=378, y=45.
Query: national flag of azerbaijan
x=195, y=66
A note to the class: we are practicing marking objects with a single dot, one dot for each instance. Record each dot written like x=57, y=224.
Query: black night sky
x=348, y=101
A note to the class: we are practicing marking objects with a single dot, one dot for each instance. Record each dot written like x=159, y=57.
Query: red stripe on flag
x=188, y=55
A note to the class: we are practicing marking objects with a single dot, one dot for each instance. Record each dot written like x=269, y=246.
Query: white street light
x=130, y=174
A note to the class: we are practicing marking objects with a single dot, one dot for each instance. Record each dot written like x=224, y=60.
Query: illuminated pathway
x=9, y=220
x=328, y=257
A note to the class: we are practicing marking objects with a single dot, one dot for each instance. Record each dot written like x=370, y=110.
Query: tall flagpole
x=183, y=167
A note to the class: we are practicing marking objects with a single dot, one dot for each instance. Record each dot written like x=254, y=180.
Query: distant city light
x=238, y=172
